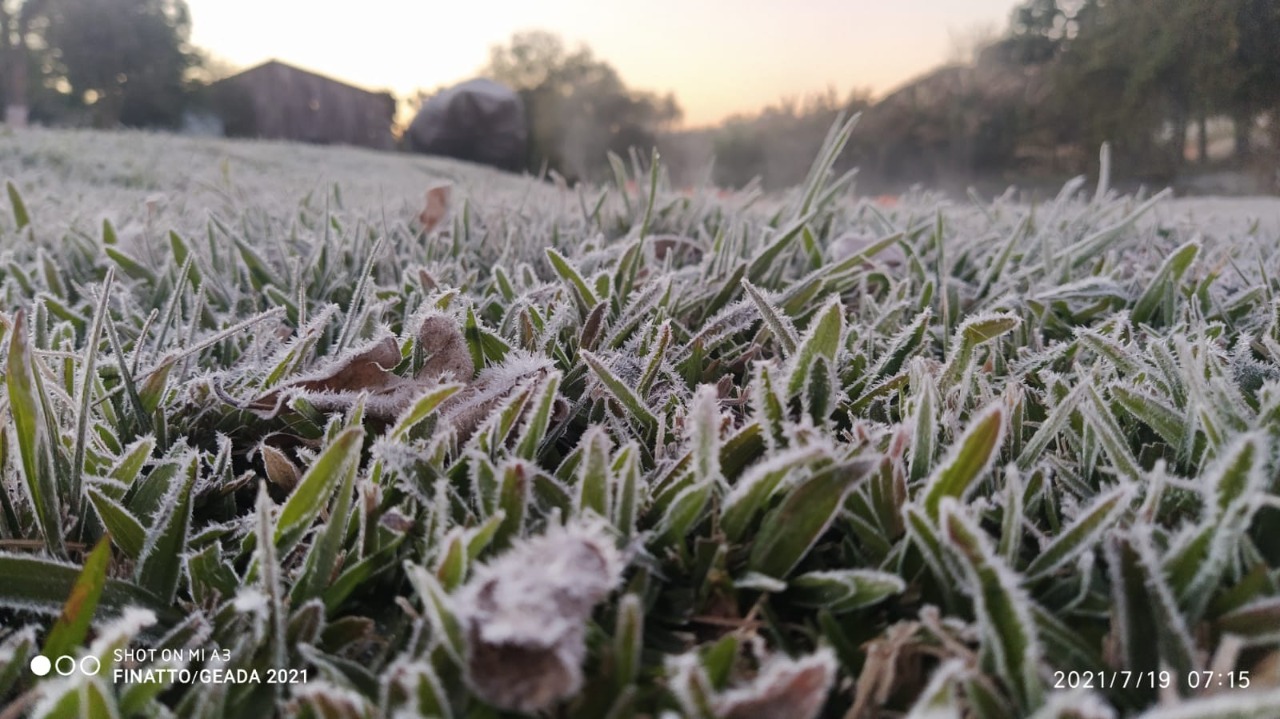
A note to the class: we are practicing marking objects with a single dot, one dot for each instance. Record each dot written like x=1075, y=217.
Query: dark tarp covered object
x=479, y=120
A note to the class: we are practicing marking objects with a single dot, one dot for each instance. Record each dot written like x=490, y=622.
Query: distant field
x=630, y=450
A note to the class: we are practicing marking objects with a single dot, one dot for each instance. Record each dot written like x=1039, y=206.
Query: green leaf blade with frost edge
x=1164, y=283
x=834, y=143
x=1156, y=414
x=87, y=381
x=904, y=344
x=317, y=486
x=129, y=266
x=750, y=494
x=1004, y=610
x=515, y=490
x=322, y=555
x=21, y=217
x=1151, y=630
x=821, y=341
x=1089, y=247
x=159, y=567
x=72, y=626
x=35, y=447
x=126, y=531
x=1083, y=535
x=628, y=640
x=151, y=391
x=779, y=325
x=844, y=590
x=16, y=651
x=767, y=257
x=683, y=514
x=43, y=585
x=358, y=575
x=268, y=578
x=626, y=488
x=451, y=564
x=924, y=424
x=1099, y=416
x=439, y=611
x=622, y=392
x=970, y=458
x=971, y=334
x=940, y=698
x=1258, y=620
x=593, y=473
x=1235, y=484
x=539, y=421
x=422, y=408
x=1052, y=426
x=582, y=294
x=790, y=530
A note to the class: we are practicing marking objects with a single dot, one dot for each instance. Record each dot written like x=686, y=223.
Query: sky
x=719, y=57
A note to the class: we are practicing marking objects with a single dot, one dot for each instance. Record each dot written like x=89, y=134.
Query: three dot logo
x=65, y=665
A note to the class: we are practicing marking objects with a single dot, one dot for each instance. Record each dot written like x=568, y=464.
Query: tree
x=578, y=107
x=1256, y=60
x=127, y=58
x=16, y=20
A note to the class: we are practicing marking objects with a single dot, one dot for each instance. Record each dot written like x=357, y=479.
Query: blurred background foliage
x=1182, y=89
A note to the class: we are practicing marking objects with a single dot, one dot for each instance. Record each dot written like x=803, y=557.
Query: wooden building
x=281, y=102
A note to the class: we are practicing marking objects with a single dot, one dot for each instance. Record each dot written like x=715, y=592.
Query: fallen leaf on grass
x=525, y=614
x=436, y=207
x=370, y=372
x=785, y=688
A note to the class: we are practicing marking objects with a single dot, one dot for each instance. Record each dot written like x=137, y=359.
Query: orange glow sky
x=719, y=57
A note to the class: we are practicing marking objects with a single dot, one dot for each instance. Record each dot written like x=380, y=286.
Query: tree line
x=101, y=62
x=1143, y=74
x=1148, y=76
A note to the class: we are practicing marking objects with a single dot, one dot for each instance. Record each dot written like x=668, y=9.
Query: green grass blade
x=791, y=529
x=317, y=486
x=20, y=215
x=970, y=457
x=35, y=446
x=844, y=590
x=630, y=401
x=1165, y=282
x=72, y=626
x=126, y=531
x=1004, y=610
x=160, y=562
x=1083, y=535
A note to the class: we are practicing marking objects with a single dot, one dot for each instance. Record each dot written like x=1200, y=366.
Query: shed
x=281, y=102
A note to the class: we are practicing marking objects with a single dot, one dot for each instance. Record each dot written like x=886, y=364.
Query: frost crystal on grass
x=525, y=615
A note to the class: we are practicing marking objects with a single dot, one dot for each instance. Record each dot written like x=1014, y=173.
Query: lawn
x=279, y=440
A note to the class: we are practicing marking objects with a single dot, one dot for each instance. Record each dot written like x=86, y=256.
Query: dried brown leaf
x=525, y=614
x=447, y=355
x=280, y=469
x=435, y=208
x=784, y=689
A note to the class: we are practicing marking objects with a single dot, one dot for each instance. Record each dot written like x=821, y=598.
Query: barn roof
x=273, y=64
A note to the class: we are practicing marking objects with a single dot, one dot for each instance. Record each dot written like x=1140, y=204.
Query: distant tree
x=578, y=106
x=128, y=58
x=1256, y=60
x=1039, y=29
x=1142, y=73
x=17, y=18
